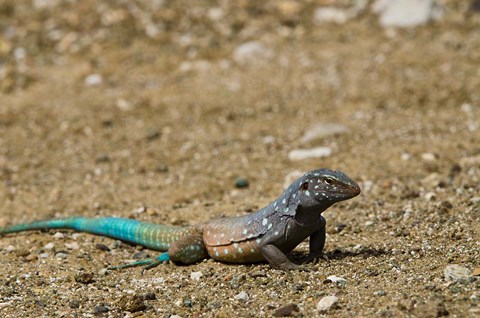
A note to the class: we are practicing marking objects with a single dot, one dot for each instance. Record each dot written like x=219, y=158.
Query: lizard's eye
x=328, y=181
x=304, y=186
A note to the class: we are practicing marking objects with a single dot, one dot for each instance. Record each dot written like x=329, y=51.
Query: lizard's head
x=325, y=187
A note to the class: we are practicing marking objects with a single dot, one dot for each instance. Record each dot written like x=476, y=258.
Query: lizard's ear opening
x=304, y=186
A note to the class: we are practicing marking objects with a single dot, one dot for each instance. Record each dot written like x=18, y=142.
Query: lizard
x=266, y=235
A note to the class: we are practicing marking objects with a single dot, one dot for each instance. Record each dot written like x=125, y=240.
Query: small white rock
x=331, y=15
x=103, y=272
x=405, y=156
x=323, y=130
x=268, y=140
x=61, y=255
x=10, y=248
x=59, y=235
x=301, y=154
x=49, y=246
x=242, y=296
x=123, y=104
x=457, y=273
x=336, y=279
x=406, y=13
x=327, y=303
x=72, y=246
x=428, y=156
x=251, y=52
x=196, y=275
x=196, y=66
x=175, y=316
x=43, y=255
x=93, y=80
x=430, y=196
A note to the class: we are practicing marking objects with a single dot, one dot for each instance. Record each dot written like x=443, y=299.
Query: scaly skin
x=268, y=234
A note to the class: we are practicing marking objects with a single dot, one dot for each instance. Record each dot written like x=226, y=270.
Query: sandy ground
x=173, y=119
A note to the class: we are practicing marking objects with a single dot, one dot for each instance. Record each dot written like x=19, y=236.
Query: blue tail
x=154, y=236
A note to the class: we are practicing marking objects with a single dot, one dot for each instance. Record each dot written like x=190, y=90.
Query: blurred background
x=179, y=111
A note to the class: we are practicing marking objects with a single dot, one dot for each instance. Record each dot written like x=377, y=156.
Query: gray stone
x=301, y=154
x=456, y=273
x=406, y=13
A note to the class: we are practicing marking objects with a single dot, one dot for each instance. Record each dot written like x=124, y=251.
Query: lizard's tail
x=39, y=225
x=154, y=236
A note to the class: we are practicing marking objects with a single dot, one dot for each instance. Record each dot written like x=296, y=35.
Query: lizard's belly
x=241, y=252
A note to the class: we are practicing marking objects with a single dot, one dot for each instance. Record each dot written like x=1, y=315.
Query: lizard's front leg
x=317, y=243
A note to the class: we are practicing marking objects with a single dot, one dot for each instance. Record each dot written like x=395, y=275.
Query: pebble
x=84, y=278
x=103, y=272
x=406, y=13
x=93, y=80
x=102, y=247
x=242, y=296
x=197, y=66
x=123, y=104
x=61, y=255
x=287, y=310
x=149, y=296
x=49, y=246
x=153, y=133
x=301, y=154
x=430, y=196
x=175, y=316
x=132, y=303
x=327, y=303
x=337, y=280
x=257, y=274
x=241, y=183
x=331, y=15
x=251, y=52
x=59, y=235
x=98, y=310
x=10, y=248
x=102, y=158
x=31, y=257
x=476, y=271
x=74, y=304
x=196, y=275
x=141, y=255
x=457, y=273
x=72, y=246
x=43, y=255
x=427, y=156
x=323, y=130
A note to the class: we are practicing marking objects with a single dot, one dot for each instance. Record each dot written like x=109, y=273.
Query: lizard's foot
x=314, y=258
x=148, y=263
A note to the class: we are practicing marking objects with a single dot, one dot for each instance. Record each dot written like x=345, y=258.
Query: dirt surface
x=142, y=109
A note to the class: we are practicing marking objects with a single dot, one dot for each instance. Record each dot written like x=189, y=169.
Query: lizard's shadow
x=363, y=252
x=339, y=254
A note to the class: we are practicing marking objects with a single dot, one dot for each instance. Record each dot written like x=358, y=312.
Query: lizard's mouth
x=347, y=192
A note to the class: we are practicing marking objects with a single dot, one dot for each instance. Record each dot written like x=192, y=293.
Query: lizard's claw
x=149, y=263
x=314, y=258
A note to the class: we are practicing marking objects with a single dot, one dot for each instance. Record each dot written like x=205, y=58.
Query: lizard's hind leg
x=186, y=250
x=148, y=263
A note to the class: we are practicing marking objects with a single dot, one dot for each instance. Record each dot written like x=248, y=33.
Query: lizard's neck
x=309, y=216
